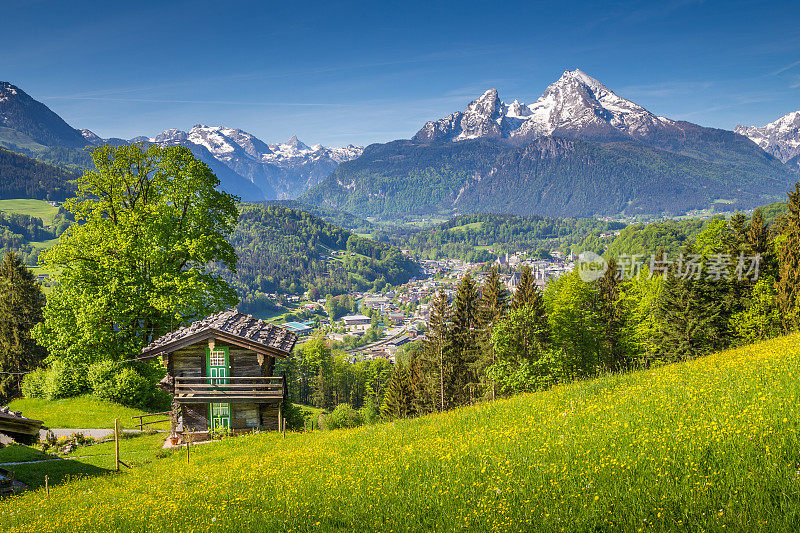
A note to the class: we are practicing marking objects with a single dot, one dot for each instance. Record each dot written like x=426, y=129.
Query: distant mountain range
x=245, y=165
x=780, y=138
x=579, y=150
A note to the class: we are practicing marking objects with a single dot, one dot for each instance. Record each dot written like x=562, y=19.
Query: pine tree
x=492, y=307
x=422, y=401
x=735, y=238
x=397, y=400
x=611, y=318
x=525, y=290
x=788, y=285
x=466, y=346
x=436, y=350
x=757, y=236
x=21, y=303
x=691, y=316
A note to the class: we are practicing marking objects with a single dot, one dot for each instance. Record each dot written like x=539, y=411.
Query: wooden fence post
x=284, y=428
x=116, y=444
x=47, y=486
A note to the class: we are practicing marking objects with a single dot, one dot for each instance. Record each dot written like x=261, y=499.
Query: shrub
x=101, y=380
x=343, y=416
x=33, y=384
x=133, y=389
x=124, y=385
x=61, y=381
x=294, y=416
x=369, y=413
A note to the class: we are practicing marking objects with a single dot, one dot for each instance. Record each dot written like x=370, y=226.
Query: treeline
x=736, y=282
x=460, y=236
x=284, y=250
x=326, y=378
x=24, y=177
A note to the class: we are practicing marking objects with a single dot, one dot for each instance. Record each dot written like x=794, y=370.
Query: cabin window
x=217, y=358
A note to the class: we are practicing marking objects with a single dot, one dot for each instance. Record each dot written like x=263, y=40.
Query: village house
x=299, y=328
x=220, y=374
x=357, y=322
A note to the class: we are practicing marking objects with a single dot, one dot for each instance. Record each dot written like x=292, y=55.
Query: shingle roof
x=234, y=323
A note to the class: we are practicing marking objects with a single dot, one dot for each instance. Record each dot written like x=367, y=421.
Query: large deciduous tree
x=151, y=223
x=21, y=303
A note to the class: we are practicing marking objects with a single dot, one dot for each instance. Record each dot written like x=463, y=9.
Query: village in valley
x=400, y=314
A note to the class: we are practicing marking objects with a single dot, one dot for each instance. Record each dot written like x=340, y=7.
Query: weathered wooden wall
x=189, y=362
x=245, y=416
x=195, y=416
x=269, y=416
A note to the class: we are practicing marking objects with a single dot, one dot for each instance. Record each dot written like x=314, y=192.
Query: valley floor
x=707, y=445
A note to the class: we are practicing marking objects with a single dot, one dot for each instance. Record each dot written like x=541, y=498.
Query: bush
x=343, y=416
x=33, y=383
x=369, y=413
x=101, y=380
x=294, y=416
x=61, y=381
x=124, y=385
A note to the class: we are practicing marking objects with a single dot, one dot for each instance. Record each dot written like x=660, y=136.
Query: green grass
x=84, y=412
x=89, y=461
x=472, y=226
x=34, y=208
x=707, y=445
x=17, y=452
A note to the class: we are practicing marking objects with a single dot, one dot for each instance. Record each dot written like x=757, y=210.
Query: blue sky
x=362, y=72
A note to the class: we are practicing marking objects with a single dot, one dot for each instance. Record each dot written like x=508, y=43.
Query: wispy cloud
x=781, y=70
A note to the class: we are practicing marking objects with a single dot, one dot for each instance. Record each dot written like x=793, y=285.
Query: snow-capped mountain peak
x=780, y=138
x=574, y=105
x=297, y=144
x=280, y=170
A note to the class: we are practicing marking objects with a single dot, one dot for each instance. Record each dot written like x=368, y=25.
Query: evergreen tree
x=466, y=345
x=757, y=236
x=611, y=318
x=691, y=315
x=21, y=303
x=421, y=400
x=398, y=399
x=526, y=289
x=735, y=238
x=788, y=285
x=436, y=351
x=492, y=307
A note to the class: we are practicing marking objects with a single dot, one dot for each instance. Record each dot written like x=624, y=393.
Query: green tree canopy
x=151, y=222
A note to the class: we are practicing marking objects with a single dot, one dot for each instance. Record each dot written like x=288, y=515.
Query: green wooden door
x=217, y=363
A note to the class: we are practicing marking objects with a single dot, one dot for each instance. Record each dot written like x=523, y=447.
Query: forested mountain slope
x=24, y=177
x=290, y=251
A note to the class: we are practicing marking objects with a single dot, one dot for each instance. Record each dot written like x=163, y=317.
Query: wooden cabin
x=220, y=372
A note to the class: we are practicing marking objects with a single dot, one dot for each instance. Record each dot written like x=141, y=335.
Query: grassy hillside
x=30, y=207
x=80, y=412
x=710, y=444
